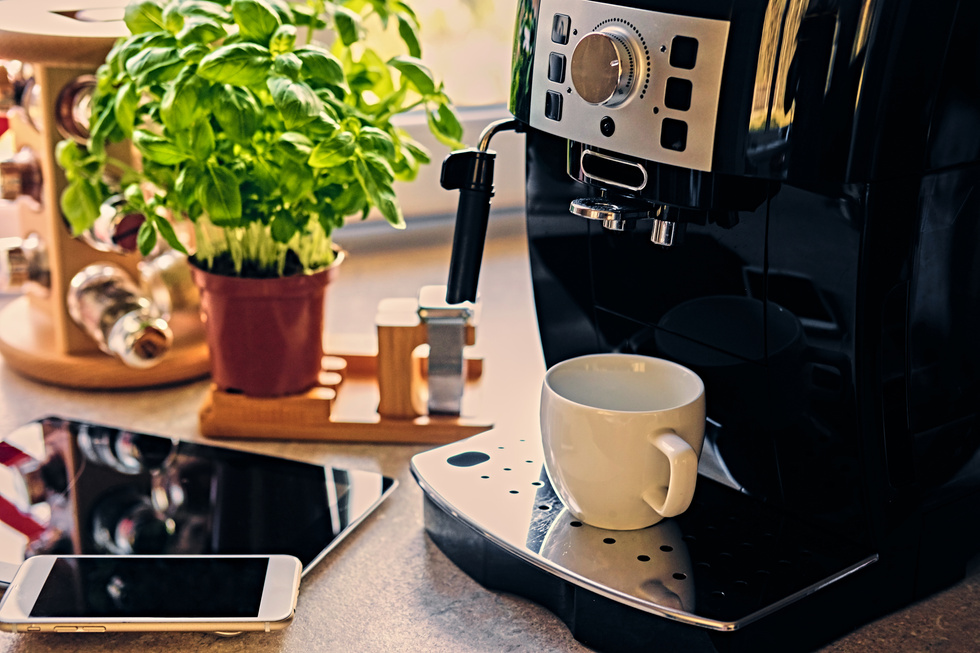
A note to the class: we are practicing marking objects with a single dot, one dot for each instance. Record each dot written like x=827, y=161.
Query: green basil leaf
x=67, y=153
x=283, y=229
x=348, y=25
x=240, y=64
x=256, y=19
x=158, y=149
x=380, y=168
x=332, y=106
x=352, y=200
x=416, y=73
x=295, y=181
x=288, y=65
x=194, y=52
x=404, y=10
x=194, y=211
x=445, y=126
x=285, y=10
x=333, y=152
x=185, y=101
x=134, y=198
x=265, y=177
x=146, y=238
x=80, y=204
x=159, y=63
x=371, y=73
x=296, y=146
x=327, y=217
x=392, y=212
x=297, y=103
x=381, y=8
x=143, y=17
x=187, y=183
x=125, y=107
x=372, y=139
x=320, y=66
x=283, y=40
x=220, y=196
x=322, y=127
x=392, y=104
x=133, y=46
x=420, y=153
x=173, y=20
x=206, y=9
x=306, y=16
x=405, y=167
x=200, y=30
x=167, y=231
x=101, y=128
x=376, y=177
x=202, y=139
x=237, y=112
x=409, y=33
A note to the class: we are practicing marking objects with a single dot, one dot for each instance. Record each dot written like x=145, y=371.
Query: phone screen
x=152, y=587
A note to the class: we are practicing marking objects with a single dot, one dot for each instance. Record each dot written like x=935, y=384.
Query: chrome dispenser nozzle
x=664, y=232
x=614, y=216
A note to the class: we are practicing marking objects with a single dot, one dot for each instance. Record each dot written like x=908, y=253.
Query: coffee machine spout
x=664, y=232
x=471, y=172
x=670, y=223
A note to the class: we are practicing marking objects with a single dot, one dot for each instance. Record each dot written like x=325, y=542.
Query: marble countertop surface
x=387, y=587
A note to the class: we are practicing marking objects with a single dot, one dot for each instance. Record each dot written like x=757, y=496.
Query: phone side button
x=65, y=629
x=92, y=629
x=33, y=629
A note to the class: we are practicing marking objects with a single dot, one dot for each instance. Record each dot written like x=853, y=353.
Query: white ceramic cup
x=622, y=435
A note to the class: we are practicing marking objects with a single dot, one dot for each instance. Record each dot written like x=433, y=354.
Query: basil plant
x=264, y=138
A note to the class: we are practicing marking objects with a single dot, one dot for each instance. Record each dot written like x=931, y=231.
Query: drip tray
x=728, y=561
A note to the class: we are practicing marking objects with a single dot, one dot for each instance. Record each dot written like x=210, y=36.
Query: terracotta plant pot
x=265, y=336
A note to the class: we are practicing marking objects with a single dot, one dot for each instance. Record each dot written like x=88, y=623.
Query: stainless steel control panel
x=641, y=83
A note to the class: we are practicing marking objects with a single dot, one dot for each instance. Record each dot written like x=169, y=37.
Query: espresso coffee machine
x=784, y=196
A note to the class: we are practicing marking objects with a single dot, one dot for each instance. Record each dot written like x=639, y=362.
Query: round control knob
x=604, y=67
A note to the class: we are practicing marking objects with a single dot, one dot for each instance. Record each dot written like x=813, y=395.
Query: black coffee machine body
x=784, y=196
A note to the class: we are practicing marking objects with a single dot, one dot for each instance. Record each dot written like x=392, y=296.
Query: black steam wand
x=471, y=171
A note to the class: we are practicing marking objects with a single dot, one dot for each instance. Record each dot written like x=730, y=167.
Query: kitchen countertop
x=387, y=587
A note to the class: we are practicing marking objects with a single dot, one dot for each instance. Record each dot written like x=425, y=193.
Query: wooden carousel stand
x=63, y=41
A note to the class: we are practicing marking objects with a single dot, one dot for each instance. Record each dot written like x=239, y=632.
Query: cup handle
x=676, y=496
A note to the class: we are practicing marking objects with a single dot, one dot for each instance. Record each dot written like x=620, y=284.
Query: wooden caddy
x=368, y=392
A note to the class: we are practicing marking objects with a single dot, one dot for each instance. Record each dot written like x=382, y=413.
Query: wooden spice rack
x=63, y=41
x=369, y=391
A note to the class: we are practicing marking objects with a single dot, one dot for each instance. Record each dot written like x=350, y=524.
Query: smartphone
x=213, y=593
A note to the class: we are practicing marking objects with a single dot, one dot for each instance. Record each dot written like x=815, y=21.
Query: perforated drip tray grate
x=726, y=562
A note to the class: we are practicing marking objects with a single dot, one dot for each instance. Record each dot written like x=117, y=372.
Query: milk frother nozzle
x=471, y=172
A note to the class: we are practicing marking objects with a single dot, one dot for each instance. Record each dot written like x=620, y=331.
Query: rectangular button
x=677, y=93
x=561, y=28
x=556, y=67
x=683, y=52
x=552, y=105
x=93, y=629
x=66, y=629
x=673, y=134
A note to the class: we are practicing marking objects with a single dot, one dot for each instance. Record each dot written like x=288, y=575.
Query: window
x=467, y=44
